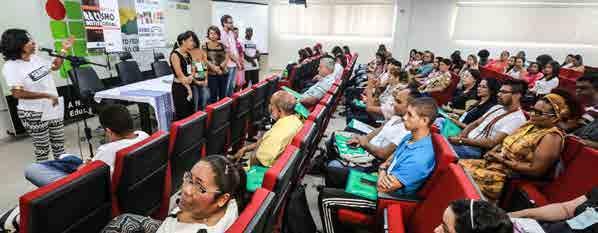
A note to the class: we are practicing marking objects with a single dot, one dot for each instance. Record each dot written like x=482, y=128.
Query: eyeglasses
x=505, y=92
x=537, y=112
x=198, y=187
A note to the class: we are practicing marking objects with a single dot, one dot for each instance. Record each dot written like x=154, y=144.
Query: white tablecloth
x=155, y=92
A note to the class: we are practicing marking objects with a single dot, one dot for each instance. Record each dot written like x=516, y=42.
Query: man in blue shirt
x=402, y=174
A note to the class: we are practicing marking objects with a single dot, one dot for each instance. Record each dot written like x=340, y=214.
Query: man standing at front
x=228, y=39
x=251, y=57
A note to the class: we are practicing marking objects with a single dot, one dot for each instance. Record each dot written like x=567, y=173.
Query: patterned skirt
x=489, y=176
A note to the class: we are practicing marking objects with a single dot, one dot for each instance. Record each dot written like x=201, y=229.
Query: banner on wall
x=101, y=19
x=128, y=25
x=150, y=23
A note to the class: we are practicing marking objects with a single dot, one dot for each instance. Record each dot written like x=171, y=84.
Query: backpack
x=297, y=218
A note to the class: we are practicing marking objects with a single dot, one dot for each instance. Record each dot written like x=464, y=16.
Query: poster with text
x=150, y=23
x=128, y=25
x=102, y=22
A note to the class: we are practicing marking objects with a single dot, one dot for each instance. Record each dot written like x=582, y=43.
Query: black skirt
x=182, y=107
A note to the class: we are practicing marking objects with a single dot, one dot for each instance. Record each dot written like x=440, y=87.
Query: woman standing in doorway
x=30, y=80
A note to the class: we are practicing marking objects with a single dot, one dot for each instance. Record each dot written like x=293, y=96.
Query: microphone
x=46, y=50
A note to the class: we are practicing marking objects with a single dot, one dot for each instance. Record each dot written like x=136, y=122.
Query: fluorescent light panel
x=523, y=44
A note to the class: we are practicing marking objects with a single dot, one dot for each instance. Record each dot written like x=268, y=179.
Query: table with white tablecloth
x=155, y=92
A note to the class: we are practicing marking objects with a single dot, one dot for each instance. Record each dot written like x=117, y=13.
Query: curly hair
x=12, y=43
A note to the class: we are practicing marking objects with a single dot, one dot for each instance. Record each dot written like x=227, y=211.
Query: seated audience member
x=568, y=63
x=412, y=54
x=339, y=66
x=587, y=90
x=416, y=61
x=518, y=70
x=564, y=217
x=474, y=216
x=440, y=81
x=550, y=80
x=544, y=59
x=532, y=75
x=435, y=65
x=337, y=50
x=325, y=79
x=309, y=51
x=483, y=54
x=490, y=129
x=470, y=64
x=531, y=151
x=457, y=62
x=573, y=120
x=487, y=91
x=425, y=68
x=382, y=105
x=120, y=132
x=379, y=144
x=510, y=64
x=303, y=55
x=578, y=64
x=268, y=148
x=210, y=201
x=347, y=53
x=501, y=64
x=466, y=95
x=522, y=55
x=378, y=63
x=402, y=174
x=318, y=49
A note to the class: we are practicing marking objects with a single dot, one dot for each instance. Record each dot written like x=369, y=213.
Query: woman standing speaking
x=30, y=80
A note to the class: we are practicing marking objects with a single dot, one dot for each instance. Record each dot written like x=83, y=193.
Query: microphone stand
x=77, y=62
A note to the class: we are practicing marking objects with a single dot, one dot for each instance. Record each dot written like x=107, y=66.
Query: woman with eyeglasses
x=474, y=216
x=531, y=151
x=210, y=200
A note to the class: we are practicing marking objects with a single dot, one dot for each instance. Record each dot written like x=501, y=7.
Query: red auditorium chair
x=79, y=202
x=305, y=141
x=318, y=115
x=289, y=81
x=280, y=179
x=424, y=216
x=272, y=88
x=445, y=156
x=141, y=179
x=187, y=146
x=577, y=178
x=567, y=79
x=259, y=106
x=240, y=117
x=218, y=126
x=443, y=97
x=253, y=218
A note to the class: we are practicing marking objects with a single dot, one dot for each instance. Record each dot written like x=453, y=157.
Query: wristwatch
x=461, y=141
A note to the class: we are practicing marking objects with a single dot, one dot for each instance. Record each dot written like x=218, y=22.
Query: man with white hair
x=313, y=95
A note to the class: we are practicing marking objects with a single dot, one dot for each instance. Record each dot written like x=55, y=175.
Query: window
x=363, y=18
x=548, y=22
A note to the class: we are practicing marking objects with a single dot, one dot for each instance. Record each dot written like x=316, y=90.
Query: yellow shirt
x=277, y=138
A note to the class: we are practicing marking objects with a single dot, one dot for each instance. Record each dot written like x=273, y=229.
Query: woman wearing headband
x=210, y=200
x=474, y=216
x=531, y=151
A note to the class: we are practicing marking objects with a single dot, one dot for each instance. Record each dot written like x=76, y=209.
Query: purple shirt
x=228, y=39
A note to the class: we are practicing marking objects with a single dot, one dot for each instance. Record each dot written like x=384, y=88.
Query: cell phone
x=353, y=145
x=367, y=182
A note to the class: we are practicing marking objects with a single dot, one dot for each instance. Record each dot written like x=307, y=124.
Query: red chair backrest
x=253, y=218
x=79, y=202
x=578, y=178
x=218, y=126
x=445, y=155
x=141, y=179
x=453, y=184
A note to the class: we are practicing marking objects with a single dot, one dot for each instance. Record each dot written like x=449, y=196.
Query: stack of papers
x=360, y=126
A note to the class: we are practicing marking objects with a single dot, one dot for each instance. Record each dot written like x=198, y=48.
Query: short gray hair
x=284, y=101
x=328, y=62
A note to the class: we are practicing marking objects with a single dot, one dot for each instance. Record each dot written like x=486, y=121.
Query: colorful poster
x=150, y=23
x=101, y=20
x=128, y=25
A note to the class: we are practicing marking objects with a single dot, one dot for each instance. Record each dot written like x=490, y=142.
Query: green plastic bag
x=449, y=128
x=344, y=149
x=359, y=103
x=255, y=177
x=362, y=184
x=301, y=110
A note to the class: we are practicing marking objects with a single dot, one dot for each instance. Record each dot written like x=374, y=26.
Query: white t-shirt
x=388, y=110
x=506, y=125
x=172, y=225
x=107, y=152
x=34, y=75
x=250, y=49
x=543, y=87
x=393, y=132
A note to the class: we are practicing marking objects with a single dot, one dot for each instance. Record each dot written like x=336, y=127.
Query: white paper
x=50, y=112
x=526, y=225
x=362, y=127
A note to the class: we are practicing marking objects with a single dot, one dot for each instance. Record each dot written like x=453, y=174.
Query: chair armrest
x=395, y=213
x=407, y=205
x=389, y=197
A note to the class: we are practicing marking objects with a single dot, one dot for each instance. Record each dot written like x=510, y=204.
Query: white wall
x=430, y=26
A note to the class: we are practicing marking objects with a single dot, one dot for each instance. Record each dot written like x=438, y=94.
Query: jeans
x=201, y=95
x=467, y=152
x=217, y=86
x=230, y=81
x=43, y=173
